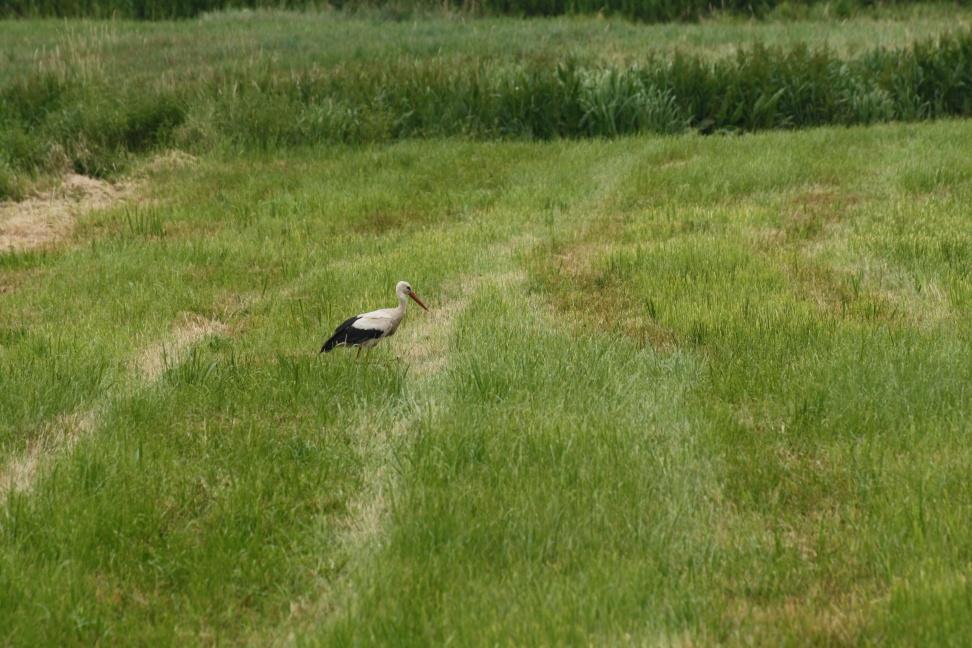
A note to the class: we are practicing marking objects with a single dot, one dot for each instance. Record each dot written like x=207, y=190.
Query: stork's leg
x=358, y=354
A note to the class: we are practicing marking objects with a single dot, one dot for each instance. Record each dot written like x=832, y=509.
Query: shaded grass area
x=647, y=10
x=90, y=97
x=684, y=389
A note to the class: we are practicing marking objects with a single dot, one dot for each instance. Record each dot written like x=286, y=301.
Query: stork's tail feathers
x=330, y=344
x=341, y=335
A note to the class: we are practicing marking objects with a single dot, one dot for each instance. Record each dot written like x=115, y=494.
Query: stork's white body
x=385, y=320
x=368, y=329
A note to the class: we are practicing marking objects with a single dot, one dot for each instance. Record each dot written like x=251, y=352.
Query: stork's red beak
x=417, y=300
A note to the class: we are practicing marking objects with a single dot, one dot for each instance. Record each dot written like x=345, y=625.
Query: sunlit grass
x=710, y=390
x=329, y=38
x=93, y=97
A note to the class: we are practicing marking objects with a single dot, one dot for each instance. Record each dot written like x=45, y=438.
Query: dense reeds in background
x=648, y=10
x=69, y=113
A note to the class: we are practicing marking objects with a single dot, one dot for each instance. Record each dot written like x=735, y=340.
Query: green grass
x=672, y=389
x=93, y=97
x=141, y=51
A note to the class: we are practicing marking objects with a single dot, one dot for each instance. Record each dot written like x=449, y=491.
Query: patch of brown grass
x=593, y=299
x=808, y=214
x=380, y=221
x=18, y=473
x=42, y=220
x=865, y=288
x=188, y=330
x=840, y=294
x=168, y=160
x=820, y=618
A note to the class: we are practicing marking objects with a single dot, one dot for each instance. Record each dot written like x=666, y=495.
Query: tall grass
x=645, y=10
x=140, y=9
x=77, y=117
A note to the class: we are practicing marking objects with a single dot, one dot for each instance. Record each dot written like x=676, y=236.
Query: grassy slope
x=671, y=389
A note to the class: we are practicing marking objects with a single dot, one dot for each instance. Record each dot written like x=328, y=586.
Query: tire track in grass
x=144, y=369
x=428, y=359
x=60, y=436
x=381, y=435
x=378, y=437
x=44, y=221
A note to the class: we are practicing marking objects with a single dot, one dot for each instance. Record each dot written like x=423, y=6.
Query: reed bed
x=642, y=10
x=70, y=112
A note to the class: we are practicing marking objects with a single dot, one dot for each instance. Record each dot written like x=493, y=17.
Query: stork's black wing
x=348, y=335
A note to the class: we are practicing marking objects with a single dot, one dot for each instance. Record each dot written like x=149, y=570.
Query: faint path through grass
x=381, y=436
x=61, y=435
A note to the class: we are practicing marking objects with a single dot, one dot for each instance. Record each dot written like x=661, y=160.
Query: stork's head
x=404, y=289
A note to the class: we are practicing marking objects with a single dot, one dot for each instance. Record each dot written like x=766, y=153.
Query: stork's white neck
x=402, y=302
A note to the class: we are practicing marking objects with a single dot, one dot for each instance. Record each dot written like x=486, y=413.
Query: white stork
x=367, y=329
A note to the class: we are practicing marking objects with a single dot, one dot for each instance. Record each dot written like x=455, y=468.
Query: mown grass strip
x=789, y=465
x=836, y=372
x=208, y=507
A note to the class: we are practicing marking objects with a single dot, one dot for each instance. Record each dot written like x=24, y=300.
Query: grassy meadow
x=674, y=389
x=671, y=390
